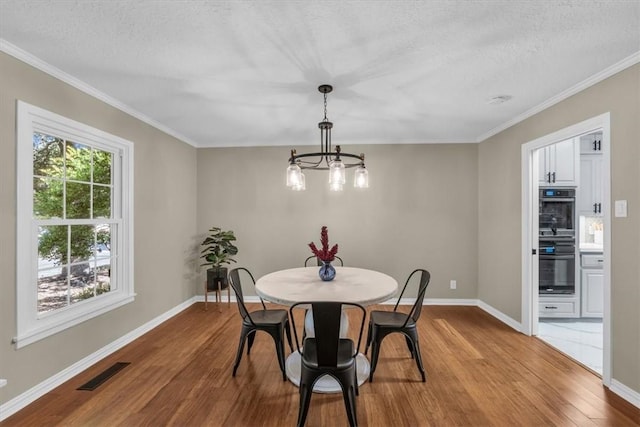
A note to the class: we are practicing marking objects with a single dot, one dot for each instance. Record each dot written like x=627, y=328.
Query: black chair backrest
x=236, y=284
x=416, y=310
x=319, y=263
x=326, y=321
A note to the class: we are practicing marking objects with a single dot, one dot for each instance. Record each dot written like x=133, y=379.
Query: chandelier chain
x=325, y=107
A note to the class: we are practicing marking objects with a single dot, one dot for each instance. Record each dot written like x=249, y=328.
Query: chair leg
x=243, y=336
x=416, y=351
x=305, y=399
x=287, y=330
x=278, y=341
x=350, y=405
x=366, y=349
x=375, y=352
x=409, y=345
x=349, y=384
x=419, y=361
x=250, y=338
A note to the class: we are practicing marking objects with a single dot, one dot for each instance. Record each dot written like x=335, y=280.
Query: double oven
x=557, y=241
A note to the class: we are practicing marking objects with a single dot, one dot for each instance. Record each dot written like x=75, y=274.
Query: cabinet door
x=558, y=164
x=590, y=191
x=592, y=293
x=563, y=160
x=543, y=167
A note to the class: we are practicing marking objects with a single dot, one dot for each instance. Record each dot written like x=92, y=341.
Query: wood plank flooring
x=479, y=373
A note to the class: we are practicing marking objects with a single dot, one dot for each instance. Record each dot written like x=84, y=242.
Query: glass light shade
x=300, y=186
x=361, y=177
x=336, y=172
x=293, y=175
x=335, y=186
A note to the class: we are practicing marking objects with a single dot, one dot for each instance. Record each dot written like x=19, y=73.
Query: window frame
x=31, y=325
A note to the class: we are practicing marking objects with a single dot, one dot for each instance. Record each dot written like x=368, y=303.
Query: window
x=75, y=223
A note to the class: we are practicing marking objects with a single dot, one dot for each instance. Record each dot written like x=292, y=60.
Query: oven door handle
x=558, y=199
x=557, y=256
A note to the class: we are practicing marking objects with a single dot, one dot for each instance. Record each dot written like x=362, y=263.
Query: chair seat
x=267, y=317
x=390, y=318
x=345, y=353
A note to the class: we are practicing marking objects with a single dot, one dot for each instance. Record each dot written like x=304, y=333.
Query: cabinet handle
x=595, y=208
x=599, y=207
x=595, y=145
x=599, y=145
x=554, y=177
x=551, y=307
x=548, y=177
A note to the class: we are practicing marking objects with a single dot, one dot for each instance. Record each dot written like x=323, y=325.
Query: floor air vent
x=96, y=381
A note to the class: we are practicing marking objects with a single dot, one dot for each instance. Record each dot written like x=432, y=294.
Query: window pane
x=82, y=242
x=78, y=162
x=103, y=276
x=78, y=200
x=52, y=290
x=102, y=166
x=82, y=283
x=47, y=198
x=52, y=245
x=101, y=201
x=47, y=155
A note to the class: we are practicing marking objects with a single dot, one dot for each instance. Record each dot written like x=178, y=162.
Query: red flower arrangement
x=325, y=254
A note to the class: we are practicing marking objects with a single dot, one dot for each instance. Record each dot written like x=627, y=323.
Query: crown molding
x=32, y=60
x=590, y=81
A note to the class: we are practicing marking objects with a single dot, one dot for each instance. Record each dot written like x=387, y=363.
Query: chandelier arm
x=305, y=164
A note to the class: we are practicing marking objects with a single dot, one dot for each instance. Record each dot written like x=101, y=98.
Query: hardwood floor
x=479, y=373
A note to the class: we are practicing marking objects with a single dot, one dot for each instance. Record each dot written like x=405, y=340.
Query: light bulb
x=301, y=185
x=293, y=175
x=336, y=172
x=361, y=177
x=335, y=186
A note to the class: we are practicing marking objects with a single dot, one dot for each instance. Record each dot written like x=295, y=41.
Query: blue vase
x=327, y=272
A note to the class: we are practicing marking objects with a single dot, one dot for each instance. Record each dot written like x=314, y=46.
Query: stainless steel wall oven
x=557, y=242
x=557, y=266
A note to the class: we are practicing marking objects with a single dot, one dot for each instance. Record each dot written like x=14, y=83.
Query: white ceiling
x=245, y=73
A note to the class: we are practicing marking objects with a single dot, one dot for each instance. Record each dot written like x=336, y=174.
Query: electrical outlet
x=3, y=383
x=453, y=284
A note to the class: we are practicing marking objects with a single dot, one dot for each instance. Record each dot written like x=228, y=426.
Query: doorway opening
x=566, y=246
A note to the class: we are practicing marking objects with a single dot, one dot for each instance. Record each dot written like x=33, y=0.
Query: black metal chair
x=273, y=321
x=383, y=323
x=319, y=263
x=327, y=353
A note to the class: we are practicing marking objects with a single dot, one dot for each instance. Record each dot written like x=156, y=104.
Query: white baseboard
x=625, y=392
x=19, y=402
x=500, y=316
x=29, y=396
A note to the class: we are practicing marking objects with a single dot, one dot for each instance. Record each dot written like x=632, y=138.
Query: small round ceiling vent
x=498, y=99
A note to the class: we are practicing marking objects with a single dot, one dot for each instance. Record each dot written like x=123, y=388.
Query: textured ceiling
x=245, y=73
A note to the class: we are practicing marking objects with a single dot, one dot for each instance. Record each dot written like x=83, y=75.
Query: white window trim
x=31, y=326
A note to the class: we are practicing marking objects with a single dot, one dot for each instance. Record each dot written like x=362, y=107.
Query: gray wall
x=165, y=226
x=499, y=282
x=420, y=211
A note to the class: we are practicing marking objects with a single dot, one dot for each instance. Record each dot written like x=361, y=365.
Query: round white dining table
x=350, y=284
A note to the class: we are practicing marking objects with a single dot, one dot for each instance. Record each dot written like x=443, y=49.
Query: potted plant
x=218, y=249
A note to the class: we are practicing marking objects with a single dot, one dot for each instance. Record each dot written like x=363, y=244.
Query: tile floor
x=580, y=339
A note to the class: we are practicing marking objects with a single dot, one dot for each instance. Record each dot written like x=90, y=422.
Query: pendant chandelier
x=334, y=161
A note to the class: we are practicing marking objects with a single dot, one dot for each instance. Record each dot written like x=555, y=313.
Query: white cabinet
x=591, y=143
x=592, y=285
x=590, y=192
x=558, y=164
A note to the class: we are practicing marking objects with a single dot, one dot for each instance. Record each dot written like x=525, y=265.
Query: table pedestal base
x=326, y=383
